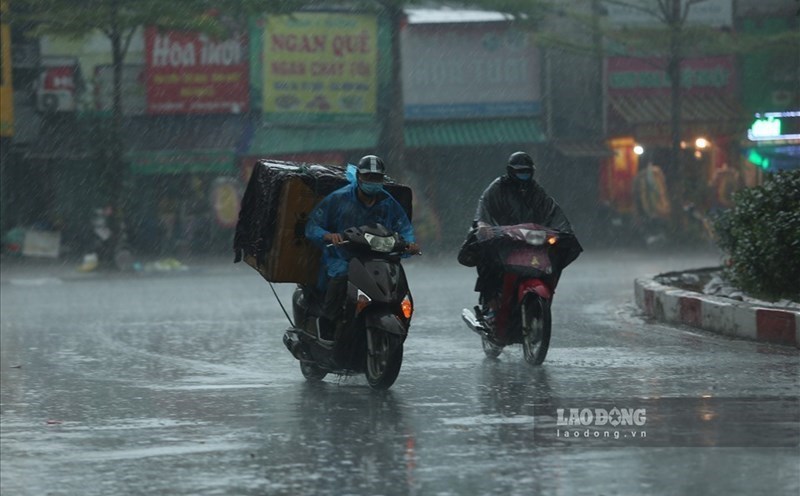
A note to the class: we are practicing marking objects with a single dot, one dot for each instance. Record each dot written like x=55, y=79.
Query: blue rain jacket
x=341, y=210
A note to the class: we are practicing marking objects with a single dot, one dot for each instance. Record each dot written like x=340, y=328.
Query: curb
x=716, y=314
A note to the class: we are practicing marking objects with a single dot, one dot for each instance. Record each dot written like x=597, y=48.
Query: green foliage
x=761, y=233
x=77, y=18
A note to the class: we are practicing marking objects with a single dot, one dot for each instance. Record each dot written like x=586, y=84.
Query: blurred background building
x=316, y=87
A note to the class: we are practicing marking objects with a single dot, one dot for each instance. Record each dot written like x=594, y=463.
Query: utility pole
x=391, y=143
x=675, y=22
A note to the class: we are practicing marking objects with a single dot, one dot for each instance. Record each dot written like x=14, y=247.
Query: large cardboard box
x=270, y=233
x=292, y=257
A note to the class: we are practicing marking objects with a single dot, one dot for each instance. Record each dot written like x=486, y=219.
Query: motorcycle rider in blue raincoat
x=364, y=201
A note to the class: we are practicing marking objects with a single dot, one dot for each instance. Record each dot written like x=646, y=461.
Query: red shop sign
x=191, y=73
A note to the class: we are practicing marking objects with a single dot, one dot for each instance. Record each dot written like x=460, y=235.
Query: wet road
x=180, y=385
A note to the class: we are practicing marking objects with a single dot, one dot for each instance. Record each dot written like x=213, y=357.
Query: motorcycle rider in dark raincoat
x=511, y=199
x=362, y=202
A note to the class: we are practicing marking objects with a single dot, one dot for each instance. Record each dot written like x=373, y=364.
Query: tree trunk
x=114, y=169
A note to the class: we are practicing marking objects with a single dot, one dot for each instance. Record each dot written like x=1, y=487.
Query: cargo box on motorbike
x=270, y=233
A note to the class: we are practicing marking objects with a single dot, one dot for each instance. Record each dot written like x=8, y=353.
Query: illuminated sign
x=775, y=126
x=757, y=159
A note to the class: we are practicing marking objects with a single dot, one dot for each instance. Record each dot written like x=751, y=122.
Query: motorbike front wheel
x=311, y=371
x=384, y=359
x=536, y=329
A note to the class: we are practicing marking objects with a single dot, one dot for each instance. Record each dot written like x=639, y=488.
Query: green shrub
x=761, y=234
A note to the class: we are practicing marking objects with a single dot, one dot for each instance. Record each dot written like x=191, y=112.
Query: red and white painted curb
x=717, y=314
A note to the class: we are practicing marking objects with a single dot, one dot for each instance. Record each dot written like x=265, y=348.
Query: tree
x=668, y=35
x=118, y=20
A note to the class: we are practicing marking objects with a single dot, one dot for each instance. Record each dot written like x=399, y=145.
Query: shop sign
x=320, y=67
x=489, y=70
x=648, y=76
x=57, y=88
x=192, y=73
x=6, y=89
x=769, y=77
x=134, y=101
x=775, y=126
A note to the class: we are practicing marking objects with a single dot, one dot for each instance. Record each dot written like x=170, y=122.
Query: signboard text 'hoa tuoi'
x=191, y=73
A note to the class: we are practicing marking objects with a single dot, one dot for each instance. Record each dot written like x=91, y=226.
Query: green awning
x=469, y=133
x=181, y=161
x=283, y=140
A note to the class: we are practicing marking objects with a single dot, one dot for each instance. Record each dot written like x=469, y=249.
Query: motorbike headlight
x=383, y=244
x=535, y=238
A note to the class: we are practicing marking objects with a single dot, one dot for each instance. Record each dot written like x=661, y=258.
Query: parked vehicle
x=377, y=314
x=530, y=257
x=106, y=249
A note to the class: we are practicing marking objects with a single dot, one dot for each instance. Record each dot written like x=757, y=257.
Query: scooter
x=528, y=255
x=376, y=315
x=106, y=250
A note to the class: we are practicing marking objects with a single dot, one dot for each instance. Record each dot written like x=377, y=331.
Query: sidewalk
x=717, y=314
x=31, y=268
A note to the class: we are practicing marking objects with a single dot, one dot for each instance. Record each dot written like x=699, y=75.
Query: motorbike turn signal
x=407, y=307
x=551, y=240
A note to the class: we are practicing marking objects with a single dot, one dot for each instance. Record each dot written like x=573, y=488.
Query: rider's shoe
x=486, y=314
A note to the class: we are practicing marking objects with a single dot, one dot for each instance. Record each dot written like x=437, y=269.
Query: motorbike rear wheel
x=384, y=360
x=536, y=329
x=311, y=371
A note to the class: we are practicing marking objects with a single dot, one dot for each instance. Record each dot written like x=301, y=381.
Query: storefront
x=455, y=161
x=640, y=113
x=183, y=173
x=771, y=93
x=466, y=113
x=187, y=121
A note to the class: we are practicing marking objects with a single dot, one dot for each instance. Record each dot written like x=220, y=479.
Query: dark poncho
x=506, y=203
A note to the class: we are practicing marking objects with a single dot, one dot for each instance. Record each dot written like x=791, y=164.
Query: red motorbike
x=529, y=257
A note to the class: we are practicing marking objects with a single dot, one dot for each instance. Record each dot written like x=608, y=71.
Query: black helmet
x=520, y=163
x=371, y=164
